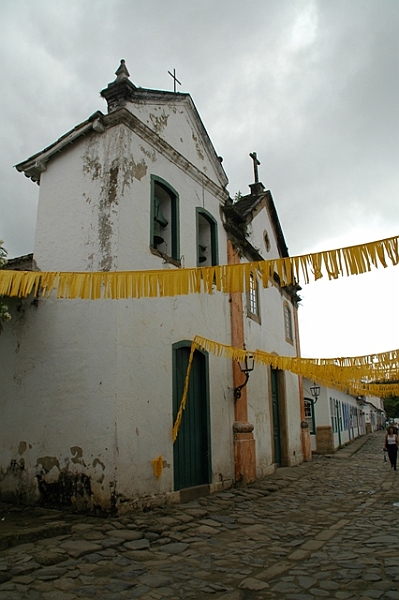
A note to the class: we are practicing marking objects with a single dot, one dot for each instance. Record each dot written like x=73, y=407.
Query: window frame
x=252, y=296
x=333, y=415
x=175, y=219
x=310, y=419
x=288, y=323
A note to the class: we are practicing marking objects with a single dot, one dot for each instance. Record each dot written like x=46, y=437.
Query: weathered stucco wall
x=58, y=404
x=145, y=389
x=269, y=335
x=93, y=379
x=87, y=388
x=175, y=124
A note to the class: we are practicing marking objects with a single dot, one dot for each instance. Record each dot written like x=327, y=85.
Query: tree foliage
x=391, y=406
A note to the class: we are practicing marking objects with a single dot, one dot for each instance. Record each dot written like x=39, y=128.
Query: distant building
x=90, y=390
x=337, y=418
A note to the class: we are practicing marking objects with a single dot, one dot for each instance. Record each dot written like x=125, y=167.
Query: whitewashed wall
x=92, y=380
x=352, y=428
x=58, y=404
x=269, y=335
x=177, y=124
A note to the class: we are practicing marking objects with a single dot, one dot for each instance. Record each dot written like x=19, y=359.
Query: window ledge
x=165, y=257
x=254, y=317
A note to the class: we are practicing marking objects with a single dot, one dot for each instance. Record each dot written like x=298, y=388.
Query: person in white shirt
x=391, y=446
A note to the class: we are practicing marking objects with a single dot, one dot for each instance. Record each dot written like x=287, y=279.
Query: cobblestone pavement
x=325, y=529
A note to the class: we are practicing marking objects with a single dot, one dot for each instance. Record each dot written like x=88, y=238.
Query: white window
x=289, y=335
x=309, y=415
x=253, y=299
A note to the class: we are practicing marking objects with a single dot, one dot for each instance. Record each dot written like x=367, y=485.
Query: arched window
x=164, y=230
x=207, y=240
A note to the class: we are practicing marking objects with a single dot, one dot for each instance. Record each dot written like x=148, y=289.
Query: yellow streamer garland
x=369, y=375
x=352, y=260
x=182, y=406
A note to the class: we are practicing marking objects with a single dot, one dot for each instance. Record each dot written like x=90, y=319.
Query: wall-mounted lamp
x=246, y=366
x=315, y=391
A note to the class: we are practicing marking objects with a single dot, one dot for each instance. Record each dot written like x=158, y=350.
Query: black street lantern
x=315, y=391
x=246, y=366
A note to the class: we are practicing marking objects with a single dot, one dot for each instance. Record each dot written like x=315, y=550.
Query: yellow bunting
x=157, y=465
x=182, y=406
x=352, y=260
x=368, y=375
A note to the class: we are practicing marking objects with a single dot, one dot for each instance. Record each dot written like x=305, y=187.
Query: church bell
x=158, y=239
x=202, y=257
x=159, y=223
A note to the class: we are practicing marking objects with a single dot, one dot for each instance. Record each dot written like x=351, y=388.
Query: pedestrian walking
x=391, y=446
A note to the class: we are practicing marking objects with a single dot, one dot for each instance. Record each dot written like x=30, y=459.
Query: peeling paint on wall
x=22, y=447
x=113, y=183
x=132, y=170
x=159, y=123
x=47, y=463
x=68, y=489
x=77, y=455
x=151, y=155
x=109, y=197
x=198, y=147
x=15, y=484
x=91, y=160
x=78, y=484
x=109, y=159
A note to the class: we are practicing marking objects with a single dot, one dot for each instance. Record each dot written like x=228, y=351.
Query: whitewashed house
x=90, y=389
x=337, y=418
x=374, y=414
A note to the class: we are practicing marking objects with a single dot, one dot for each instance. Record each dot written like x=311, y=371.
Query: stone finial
x=122, y=72
x=121, y=90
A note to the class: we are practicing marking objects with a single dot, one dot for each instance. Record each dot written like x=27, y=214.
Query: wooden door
x=191, y=451
x=276, y=418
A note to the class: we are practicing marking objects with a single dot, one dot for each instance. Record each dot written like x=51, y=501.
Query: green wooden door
x=191, y=450
x=276, y=418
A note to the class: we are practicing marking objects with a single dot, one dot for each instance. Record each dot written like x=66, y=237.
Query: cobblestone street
x=325, y=529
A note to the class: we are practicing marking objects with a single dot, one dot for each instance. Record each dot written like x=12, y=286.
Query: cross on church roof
x=256, y=163
x=173, y=75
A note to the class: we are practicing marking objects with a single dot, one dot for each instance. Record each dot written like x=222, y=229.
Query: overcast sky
x=311, y=85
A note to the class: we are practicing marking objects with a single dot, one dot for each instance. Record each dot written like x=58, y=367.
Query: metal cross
x=256, y=163
x=173, y=75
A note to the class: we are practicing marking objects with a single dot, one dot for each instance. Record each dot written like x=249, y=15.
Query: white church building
x=90, y=389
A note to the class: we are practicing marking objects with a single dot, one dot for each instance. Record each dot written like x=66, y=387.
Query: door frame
x=175, y=347
x=275, y=414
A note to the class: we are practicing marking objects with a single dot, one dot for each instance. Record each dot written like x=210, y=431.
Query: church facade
x=90, y=389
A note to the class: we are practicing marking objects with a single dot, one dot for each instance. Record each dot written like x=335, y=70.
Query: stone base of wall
x=294, y=460
x=150, y=501
x=266, y=471
x=324, y=440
